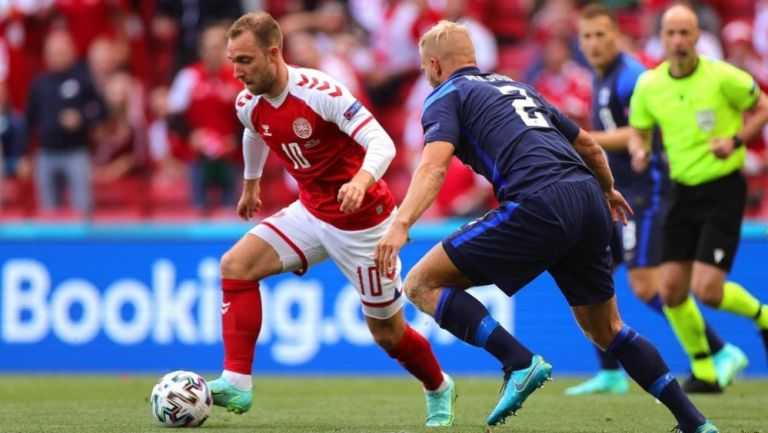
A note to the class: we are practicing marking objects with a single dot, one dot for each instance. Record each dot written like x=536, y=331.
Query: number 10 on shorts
x=370, y=280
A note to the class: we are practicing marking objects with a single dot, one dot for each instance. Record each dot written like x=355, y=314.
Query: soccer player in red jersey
x=337, y=152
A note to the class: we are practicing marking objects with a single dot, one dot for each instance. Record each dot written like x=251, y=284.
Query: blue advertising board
x=84, y=298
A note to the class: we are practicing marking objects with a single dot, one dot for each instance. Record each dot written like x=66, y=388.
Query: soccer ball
x=181, y=399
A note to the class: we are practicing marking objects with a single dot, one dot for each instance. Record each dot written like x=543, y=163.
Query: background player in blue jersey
x=557, y=203
x=638, y=243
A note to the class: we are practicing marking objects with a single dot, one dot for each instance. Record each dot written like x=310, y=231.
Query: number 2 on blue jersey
x=523, y=101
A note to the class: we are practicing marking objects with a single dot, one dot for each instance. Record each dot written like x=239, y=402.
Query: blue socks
x=608, y=362
x=464, y=316
x=643, y=363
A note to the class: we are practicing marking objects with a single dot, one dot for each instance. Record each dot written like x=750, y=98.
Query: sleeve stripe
x=360, y=126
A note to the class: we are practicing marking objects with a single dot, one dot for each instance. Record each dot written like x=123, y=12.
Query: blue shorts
x=639, y=243
x=564, y=229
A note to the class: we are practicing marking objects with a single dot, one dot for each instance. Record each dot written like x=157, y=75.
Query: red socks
x=414, y=353
x=240, y=323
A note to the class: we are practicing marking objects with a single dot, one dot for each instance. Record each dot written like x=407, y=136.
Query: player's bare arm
x=613, y=141
x=425, y=184
x=250, y=200
x=352, y=193
x=639, y=147
x=722, y=147
x=593, y=155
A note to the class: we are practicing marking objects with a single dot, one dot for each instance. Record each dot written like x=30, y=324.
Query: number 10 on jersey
x=293, y=151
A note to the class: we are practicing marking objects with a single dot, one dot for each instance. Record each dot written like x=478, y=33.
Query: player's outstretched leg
x=517, y=386
x=609, y=380
x=241, y=325
x=465, y=317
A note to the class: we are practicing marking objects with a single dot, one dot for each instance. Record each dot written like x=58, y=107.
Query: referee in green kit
x=699, y=104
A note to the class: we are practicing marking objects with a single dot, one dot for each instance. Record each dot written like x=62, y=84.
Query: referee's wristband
x=737, y=142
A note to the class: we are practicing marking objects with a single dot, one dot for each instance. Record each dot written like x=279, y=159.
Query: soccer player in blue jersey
x=638, y=243
x=557, y=203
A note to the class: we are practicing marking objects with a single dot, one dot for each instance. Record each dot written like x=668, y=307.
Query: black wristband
x=737, y=142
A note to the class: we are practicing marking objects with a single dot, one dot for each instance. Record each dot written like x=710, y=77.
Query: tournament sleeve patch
x=352, y=110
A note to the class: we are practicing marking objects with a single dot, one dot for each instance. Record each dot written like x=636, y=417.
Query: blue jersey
x=610, y=110
x=505, y=131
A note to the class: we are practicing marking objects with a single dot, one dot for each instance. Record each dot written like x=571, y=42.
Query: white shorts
x=302, y=240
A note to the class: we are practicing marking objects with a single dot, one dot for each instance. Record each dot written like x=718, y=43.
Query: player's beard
x=264, y=83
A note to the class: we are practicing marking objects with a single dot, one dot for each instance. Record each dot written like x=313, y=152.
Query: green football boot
x=604, y=382
x=729, y=362
x=226, y=395
x=440, y=405
x=517, y=386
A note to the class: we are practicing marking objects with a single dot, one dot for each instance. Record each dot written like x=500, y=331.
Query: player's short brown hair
x=595, y=10
x=263, y=27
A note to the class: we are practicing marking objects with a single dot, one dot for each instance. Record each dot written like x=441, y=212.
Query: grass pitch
x=79, y=404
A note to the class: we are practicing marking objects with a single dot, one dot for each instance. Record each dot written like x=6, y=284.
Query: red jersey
x=312, y=127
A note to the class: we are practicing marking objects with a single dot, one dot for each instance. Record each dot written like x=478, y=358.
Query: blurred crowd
x=124, y=109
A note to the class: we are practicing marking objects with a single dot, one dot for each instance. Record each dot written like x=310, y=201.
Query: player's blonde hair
x=263, y=27
x=449, y=40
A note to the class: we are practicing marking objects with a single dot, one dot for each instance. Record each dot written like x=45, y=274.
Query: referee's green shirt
x=691, y=111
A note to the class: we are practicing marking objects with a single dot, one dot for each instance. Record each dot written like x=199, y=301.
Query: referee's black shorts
x=704, y=221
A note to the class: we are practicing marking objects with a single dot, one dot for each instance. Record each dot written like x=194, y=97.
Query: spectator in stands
x=63, y=107
x=108, y=58
x=164, y=145
x=508, y=20
x=486, y=49
x=120, y=140
x=201, y=100
x=328, y=18
x=162, y=37
x=105, y=57
x=563, y=82
x=760, y=33
x=192, y=17
x=119, y=157
x=13, y=140
x=22, y=34
x=394, y=50
x=87, y=21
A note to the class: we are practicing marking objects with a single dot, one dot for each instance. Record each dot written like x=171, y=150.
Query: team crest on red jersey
x=302, y=128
